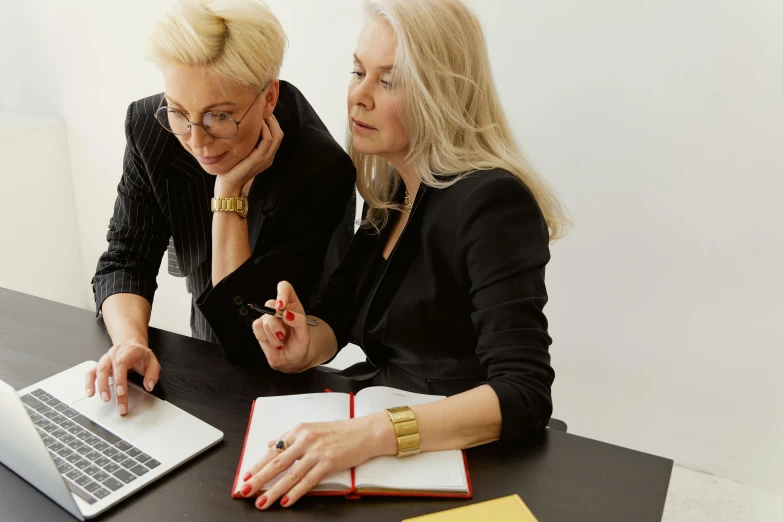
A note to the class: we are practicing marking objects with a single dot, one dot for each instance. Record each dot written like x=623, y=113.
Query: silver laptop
x=81, y=453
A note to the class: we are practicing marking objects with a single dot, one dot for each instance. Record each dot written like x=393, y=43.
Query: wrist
x=383, y=435
x=226, y=190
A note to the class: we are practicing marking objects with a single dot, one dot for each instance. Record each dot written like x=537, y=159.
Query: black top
x=164, y=199
x=461, y=299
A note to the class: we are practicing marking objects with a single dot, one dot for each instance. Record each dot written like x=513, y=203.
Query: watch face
x=244, y=205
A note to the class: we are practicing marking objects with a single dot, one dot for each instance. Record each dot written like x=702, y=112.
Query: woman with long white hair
x=443, y=286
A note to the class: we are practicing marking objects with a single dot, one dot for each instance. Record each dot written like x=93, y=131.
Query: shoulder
x=315, y=146
x=489, y=187
x=146, y=106
x=141, y=114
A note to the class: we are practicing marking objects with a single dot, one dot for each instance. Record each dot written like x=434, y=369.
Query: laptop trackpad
x=145, y=413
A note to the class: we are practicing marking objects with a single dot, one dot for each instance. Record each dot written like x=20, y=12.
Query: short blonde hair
x=450, y=109
x=241, y=41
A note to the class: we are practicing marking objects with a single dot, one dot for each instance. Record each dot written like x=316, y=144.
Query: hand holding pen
x=283, y=330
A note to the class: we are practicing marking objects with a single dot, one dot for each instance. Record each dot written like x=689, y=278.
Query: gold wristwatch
x=238, y=205
x=408, y=440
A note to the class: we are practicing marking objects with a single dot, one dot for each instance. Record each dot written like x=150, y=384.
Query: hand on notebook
x=285, y=341
x=315, y=451
x=117, y=362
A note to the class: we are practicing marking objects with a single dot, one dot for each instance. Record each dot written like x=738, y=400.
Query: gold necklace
x=408, y=203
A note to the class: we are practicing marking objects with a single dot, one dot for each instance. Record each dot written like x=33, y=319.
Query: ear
x=270, y=97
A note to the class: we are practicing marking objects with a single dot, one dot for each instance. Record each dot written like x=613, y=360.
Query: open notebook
x=433, y=473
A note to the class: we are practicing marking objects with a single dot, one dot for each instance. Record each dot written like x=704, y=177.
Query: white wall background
x=658, y=122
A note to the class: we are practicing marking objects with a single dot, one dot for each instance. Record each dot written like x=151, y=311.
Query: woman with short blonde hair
x=230, y=169
x=443, y=287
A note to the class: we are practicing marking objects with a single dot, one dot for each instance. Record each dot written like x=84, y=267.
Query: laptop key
x=124, y=476
x=83, y=449
x=152, y=463
x=53, y=401
x=111, y=467
x=70, y=413
x=92, y=487
x=92, y=440
x=128, y=463
x=139, y=470
x=73, y=443
x=48, y=441
x=65, y=452
x=31, y=401
x=112, y=483
x=74, y=429
x=98, y=430
x=93, y=456
x=82, y=480
x=73, y=474
x=101, y=475
x=60, y=407
x=123, y=446
x=56, y=447
x=64, y=467
x=101, y=493
x=58, y=418
x=73, y=458
x=102, y=445
x=58, y=433
x=81, y=464
x=101, y=461
x=37, y=392
x=92, y=470
x=119, y=457
x=43, y=408
x=41, y=421
x=67, y=424
x=143, y=458
x=83, y=435
x=49, y=427
x=45, y=397
x=111, y=451
x=133, y=452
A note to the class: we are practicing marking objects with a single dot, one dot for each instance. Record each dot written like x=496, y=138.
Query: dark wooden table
x=562, y=477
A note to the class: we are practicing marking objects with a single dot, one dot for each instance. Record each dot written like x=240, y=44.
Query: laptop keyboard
x=93, y=461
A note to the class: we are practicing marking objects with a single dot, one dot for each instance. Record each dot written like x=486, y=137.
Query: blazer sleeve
x=296, y=255
x=503, y=246
x=138, y=232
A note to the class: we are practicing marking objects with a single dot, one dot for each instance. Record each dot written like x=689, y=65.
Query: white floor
x=693, y=496
x=696, y=497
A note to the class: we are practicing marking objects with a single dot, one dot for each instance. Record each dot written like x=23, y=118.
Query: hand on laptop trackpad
x=145, y=412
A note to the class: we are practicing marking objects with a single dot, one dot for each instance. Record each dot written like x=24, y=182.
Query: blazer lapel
x=400, y=259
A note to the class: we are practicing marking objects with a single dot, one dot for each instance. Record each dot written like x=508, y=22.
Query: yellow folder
x=502, y=509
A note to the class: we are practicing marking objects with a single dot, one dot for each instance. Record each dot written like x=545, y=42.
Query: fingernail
x=88, y=391
x=284, y=501
x=279, y=347
x=247, y=476
x=290, y=316
x=120, y=390
x=105, y=396
x=150, y=385
x=122, y=409
x=271, y=443
x=280, y=304
x=246, y=490
x=280, y=335
x=260, y=502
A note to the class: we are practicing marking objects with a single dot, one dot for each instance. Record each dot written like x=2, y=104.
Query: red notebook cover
x=353, y=494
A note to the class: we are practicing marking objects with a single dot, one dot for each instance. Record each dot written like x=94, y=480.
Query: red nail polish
x=247, y=476
x=246, y=490
x=284, y=501
x=280, y=305
x=280, y=335
x=289, y=316
x=279, y=347
x=260, y=502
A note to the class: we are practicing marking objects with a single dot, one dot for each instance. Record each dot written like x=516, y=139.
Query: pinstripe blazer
x=163, y=201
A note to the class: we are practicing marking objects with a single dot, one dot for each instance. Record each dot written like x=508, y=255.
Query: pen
x=276, y=313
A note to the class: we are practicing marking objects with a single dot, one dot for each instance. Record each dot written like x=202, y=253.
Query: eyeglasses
x=217, y=124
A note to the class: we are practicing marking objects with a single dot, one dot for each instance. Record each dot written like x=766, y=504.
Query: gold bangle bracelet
x=407, y=430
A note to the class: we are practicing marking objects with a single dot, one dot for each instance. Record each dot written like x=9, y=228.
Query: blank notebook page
x=429, y=471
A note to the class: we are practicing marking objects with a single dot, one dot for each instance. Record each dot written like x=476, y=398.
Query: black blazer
x=163, y=200
x=460, y=301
